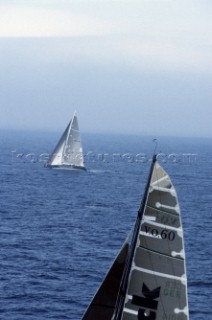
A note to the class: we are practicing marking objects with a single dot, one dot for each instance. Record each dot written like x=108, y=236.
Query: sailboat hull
x=66, y=167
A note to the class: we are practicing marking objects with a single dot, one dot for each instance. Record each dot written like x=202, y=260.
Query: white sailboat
x=147, y=280
x=68, y=153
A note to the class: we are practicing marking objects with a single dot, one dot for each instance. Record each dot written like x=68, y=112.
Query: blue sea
x=60, y=231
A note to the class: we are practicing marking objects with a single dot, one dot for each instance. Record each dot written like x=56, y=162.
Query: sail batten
x=164, y=255
x=160, y=274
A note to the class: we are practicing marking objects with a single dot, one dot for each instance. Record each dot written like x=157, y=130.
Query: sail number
x=163, y=234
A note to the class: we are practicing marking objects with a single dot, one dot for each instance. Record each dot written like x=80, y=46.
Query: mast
x=124, y=284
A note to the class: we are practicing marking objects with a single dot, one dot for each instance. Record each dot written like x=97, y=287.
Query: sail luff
x=124, y=284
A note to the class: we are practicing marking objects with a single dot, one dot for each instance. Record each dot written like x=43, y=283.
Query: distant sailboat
x=147, y=280
x=68, y=153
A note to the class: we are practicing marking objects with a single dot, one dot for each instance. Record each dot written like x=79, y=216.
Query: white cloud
x=23, y=21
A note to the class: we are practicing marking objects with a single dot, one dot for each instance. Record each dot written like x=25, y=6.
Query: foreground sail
x=68, y=153
x=154, y=284
x=104, y=302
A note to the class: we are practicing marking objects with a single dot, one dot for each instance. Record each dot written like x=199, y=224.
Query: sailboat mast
x=124, y=284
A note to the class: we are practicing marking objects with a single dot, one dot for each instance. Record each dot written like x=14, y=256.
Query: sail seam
x=172, y=213
x=162, y=254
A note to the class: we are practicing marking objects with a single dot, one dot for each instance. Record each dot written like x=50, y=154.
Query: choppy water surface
x=60, y=231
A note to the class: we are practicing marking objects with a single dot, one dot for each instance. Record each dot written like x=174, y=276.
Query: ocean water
x=60, y=231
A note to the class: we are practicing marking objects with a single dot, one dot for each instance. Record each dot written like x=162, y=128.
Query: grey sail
x=103, y=304
x=157, y=283
x=68, y=153
x=153, y=283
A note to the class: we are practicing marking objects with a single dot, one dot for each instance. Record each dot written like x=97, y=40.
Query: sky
x=130, y=66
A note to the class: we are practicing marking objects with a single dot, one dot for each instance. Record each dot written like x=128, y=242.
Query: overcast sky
x=130, y=66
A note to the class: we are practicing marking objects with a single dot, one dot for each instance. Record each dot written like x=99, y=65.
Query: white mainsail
x=68, y=151
x=154, y=282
